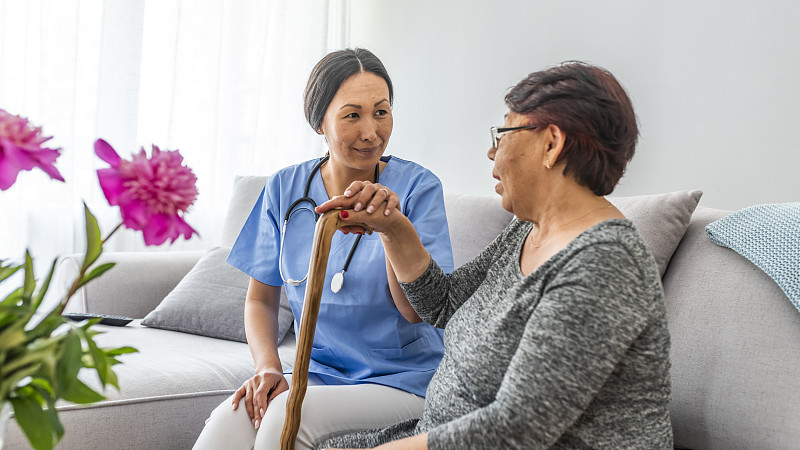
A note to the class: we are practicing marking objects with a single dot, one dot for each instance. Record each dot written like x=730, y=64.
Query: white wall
x=714, y=84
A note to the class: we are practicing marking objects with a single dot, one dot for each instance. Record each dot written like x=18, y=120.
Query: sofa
x=735, y=335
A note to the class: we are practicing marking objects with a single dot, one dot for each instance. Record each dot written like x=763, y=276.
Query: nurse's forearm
x=405, y=251
x=261, y=327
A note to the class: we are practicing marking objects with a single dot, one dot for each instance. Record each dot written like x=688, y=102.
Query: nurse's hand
x=258, y=393
x=374, y=202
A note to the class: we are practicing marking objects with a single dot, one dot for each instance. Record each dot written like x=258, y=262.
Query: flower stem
x=119, y=225
x=79, y=279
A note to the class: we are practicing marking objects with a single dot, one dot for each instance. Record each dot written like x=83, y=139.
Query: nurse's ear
x=321, y=132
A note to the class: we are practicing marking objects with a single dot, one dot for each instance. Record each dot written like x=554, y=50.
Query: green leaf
x=44, y=389
x=99, y=359
x=13, y=335
x=7, y=271
x=37, y=300
x=13, y=298
x=47, y=399
x=46, y=326
x=12, y=313
x=9, y=382
x=41, y=351
x=30, y=281
x=94, y=242
x=119, y=351
x=96, y=272
x=70, y=362
x=46, y=392
x=88, y=332
x=58, y=428
x=111, y=377
x=33, y=419
x=77, y=392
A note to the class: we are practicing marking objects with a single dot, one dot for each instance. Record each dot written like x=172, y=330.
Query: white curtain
x=220, y=80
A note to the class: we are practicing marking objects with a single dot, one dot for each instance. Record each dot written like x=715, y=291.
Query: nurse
x=372, y=357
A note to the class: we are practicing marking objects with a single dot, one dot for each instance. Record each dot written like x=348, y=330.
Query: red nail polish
x=344, y=214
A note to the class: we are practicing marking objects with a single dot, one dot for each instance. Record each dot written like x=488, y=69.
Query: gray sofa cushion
x=246, y=190
x=152, y=275
x=474, y=221
x=661, y=219
x=209, y=301
x=735, y=348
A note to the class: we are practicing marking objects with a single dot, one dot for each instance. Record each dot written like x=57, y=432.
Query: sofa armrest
x=133, y=288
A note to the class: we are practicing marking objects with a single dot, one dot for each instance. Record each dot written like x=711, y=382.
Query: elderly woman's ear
x=554, y=143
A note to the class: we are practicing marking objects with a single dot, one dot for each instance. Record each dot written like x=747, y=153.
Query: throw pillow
x=474, y=221
x=246, y=189
x=661, y=219
x=209, y=301
x=768, y=236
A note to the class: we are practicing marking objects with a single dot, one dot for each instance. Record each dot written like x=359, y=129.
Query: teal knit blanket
x=769, y=236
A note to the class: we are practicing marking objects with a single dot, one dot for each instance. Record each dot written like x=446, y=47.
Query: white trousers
x=327, y=410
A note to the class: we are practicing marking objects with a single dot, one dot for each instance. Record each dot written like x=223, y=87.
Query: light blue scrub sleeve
x=256, y=250
x=424, y=207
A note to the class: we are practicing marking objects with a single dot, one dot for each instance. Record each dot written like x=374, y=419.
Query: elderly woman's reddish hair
x=592, y=109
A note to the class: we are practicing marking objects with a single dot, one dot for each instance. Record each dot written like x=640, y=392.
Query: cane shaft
x=320, y=248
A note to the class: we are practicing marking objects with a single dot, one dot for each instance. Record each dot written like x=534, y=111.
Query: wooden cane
x=320, y=248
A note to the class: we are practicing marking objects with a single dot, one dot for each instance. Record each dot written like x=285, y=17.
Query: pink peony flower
x=21, y=149
x=151, y=193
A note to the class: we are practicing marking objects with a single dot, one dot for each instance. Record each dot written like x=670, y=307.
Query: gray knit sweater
x=574, y=355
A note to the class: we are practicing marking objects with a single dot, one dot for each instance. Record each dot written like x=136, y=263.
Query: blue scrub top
x=360, y=335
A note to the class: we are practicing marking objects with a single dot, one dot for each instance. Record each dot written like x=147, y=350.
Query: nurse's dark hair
x=593, y=111
x=329, y=74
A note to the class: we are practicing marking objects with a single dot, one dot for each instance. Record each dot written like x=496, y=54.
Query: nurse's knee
x=271, y=426
x=225, y=412
x=226, y=428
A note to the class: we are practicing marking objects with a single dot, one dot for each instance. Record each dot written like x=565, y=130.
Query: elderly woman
x=555, y=335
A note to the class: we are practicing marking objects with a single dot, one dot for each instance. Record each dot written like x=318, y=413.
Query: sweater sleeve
x=424, y=207
x=436, y=296
x=586, y=320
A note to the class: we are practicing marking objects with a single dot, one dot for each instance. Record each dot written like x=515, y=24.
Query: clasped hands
x=364, y=202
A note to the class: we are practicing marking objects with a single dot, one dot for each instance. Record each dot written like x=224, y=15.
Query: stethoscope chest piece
x=337, y=281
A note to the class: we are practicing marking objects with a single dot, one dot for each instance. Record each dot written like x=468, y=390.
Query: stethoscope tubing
x=294, y=207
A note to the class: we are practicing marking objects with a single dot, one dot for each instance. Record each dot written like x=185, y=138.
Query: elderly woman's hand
x=371, y=203
x=374, y=206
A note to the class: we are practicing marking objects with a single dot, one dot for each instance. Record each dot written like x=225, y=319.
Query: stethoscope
x=338, y=279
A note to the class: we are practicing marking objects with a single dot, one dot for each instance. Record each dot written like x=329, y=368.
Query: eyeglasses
x=497, y=133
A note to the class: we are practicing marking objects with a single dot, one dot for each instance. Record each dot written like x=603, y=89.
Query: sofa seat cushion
x=170, y=363
x=168, y=390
